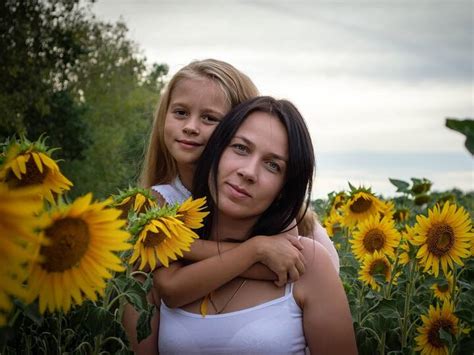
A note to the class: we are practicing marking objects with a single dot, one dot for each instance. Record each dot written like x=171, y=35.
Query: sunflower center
x=361, y=205
x=433, y=332
x=125, y=208
x=443, y=287
x=374, y=240
x=69, y=241
x=32, y=177
x=440, y=239
x=379, y=267
x=153, y=239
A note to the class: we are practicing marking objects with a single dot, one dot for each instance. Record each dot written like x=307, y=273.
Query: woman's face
x=252, y=168
x=196, y=108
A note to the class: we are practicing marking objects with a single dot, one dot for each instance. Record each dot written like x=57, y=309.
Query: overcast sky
x=374, y=80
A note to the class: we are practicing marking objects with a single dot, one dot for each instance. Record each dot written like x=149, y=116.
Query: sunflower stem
x=115, y=299
x=382, y=343
x=454, y=295
x=97, y=344
x=392, y=276
x=59, y=318
x=359, y=306
x=406, y=307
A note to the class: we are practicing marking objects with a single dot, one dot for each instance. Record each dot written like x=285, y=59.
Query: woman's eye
x=274, y=167
x=240, y=148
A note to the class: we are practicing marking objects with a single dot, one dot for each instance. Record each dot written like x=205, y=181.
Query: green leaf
x=134, y=291
x=402, y=186
x=31, y=311
x=447, y=337
x=143, y=324
x=465, y=314
x=351, y=187
x=388, y=308
x=99, y=320
x=465, y=127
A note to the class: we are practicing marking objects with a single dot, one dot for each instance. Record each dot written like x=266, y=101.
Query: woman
x=259, y=168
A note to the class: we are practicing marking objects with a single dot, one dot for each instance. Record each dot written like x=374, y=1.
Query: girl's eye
x=210, y=119
x=180, y=113
x=274, y=167
x=240, y=148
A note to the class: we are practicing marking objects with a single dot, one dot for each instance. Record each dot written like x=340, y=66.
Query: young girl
x=258, y=169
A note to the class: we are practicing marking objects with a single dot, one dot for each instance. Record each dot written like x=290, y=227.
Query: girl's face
x=252, y=168
x=196, y=107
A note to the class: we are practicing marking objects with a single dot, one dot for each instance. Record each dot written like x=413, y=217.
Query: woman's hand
x=281, y=254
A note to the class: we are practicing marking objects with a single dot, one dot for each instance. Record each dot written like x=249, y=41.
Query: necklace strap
x=228, y=301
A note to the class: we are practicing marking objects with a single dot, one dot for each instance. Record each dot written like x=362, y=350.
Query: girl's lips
x=188, y=144
x=238, y=191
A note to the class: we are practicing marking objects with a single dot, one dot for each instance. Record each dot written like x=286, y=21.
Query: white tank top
x=173, y=193
x=273, y=327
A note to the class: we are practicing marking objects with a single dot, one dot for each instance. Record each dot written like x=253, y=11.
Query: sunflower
x=428, y=341
x=18, y=220
x=360, y=206
x=336, y=202
x=30, y=164
x=190, y=212
x=161, y=238
x=375, y=234
x=443, y=237
x=406, y=254
x=135, y=199
x=373, y=265
x=442, y=290
x=333, y=224
x=81, y=240
x=401, y=214
x=387, y=209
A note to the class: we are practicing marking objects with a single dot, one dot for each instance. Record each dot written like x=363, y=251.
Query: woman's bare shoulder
x=319, y=271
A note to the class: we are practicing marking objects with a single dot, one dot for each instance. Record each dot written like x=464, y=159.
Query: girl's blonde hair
x=159, y=167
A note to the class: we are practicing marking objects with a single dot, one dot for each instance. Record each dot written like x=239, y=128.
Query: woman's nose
x=248, y=172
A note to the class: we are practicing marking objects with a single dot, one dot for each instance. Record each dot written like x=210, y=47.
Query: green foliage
x=41, y=42
x=81, y=82
x=465, y=127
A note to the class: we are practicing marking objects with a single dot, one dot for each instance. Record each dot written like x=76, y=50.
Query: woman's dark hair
x=299, y=171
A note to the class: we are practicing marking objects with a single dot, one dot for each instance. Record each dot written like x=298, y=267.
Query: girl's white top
x=173, y=193
x=273, y=327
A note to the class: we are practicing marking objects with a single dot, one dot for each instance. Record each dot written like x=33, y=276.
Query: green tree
x=41, y=42
x=80, y=81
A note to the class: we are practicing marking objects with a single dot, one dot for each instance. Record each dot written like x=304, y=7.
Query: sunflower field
x=406, y=266
x=71, y=267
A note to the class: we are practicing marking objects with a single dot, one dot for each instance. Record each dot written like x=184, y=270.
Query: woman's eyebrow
x=278, y=157
x=273, y=155
x=246, y=140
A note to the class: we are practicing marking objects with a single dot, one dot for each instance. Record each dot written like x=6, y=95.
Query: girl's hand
x=281, y=254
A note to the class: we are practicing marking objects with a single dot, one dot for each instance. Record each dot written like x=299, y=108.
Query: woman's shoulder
x=319, y=270
x=313, y=248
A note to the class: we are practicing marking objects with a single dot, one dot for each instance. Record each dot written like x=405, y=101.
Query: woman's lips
x=238, y=191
